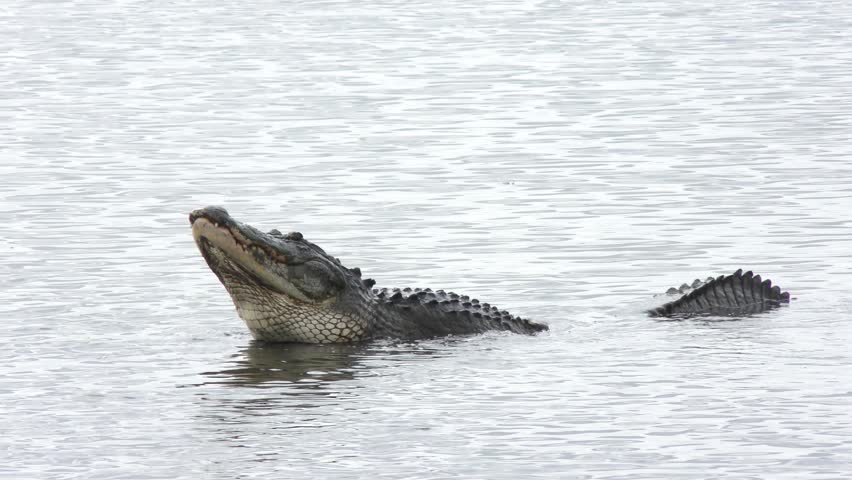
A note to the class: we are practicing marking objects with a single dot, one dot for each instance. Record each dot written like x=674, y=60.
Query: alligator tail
x=728, y=295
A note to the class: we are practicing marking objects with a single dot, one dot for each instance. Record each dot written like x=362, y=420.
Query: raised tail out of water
x=728, y=295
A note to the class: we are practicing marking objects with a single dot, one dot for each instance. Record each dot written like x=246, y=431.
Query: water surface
x=565, y=161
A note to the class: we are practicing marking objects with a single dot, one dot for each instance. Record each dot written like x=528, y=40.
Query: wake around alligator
x=287, y=289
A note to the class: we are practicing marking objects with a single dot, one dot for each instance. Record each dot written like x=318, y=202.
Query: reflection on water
x=709, y=319
x=292, y=381
x=312, y=367
x=303, y=366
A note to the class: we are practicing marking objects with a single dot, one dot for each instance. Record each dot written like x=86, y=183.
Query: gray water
x=565, y=161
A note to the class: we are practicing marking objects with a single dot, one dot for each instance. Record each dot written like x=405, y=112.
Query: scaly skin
x=728, y=295
x=287, y=289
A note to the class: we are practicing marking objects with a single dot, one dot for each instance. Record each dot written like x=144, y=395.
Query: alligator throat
x=288, y=289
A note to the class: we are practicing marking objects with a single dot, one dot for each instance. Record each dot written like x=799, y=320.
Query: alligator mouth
x=242, y=255
x=222, y=249
x=228, y=251
x=228, y=237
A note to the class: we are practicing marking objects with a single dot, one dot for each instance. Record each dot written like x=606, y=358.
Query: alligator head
x=285, y=288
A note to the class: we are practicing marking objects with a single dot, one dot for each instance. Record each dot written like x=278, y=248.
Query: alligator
x=288, y=289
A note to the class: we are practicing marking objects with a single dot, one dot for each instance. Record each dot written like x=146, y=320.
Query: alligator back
x=411, y=313
x=727, y=295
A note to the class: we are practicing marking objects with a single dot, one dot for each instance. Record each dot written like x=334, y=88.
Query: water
x=563, y=161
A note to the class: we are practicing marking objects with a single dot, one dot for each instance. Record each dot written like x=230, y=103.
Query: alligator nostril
x=295, y=236
x=195, y=215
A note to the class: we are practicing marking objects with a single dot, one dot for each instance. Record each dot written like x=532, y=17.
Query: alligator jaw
x=285, y=288
x=223, y=246
x=241, y=254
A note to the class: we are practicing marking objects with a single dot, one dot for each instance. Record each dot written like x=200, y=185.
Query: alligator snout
x=215, y=214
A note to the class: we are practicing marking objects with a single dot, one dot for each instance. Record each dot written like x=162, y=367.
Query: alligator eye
x=294, y=236
x=315, y=279
x=275, y=233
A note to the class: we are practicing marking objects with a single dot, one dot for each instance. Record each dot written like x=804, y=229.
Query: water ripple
x=563, y=160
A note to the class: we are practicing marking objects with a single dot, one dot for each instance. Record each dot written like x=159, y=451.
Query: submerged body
x=287, y=289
